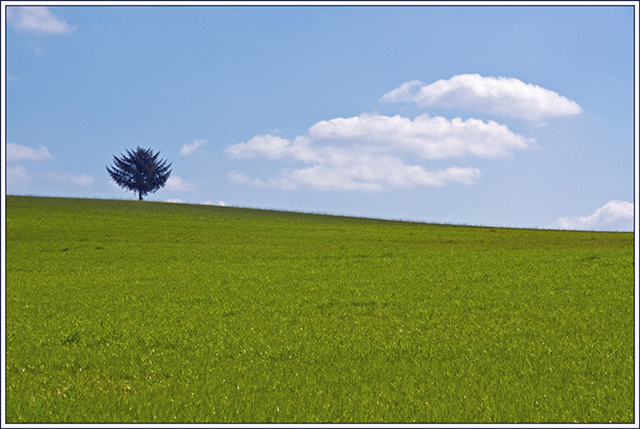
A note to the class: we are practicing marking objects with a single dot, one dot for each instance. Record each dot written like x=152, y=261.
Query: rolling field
x=127, y=311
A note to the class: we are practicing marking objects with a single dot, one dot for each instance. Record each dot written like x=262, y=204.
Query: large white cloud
x=497, y=95
x=366, y=152
x=424, y=136
x=614, y=216
x=16, y=152
x=37, y=19
x=427, y=137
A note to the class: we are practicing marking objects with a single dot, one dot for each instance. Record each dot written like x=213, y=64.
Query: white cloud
x=189, y=148
x=425, y=136
x=614, y=216
x=374, y=175
x=17, y=175
x=268, y=145
x=175, y=183
x=173, y=200
x=16, y=152
x=219, y=203
x=365, y=152
x=37, y=19
x=81, y=179
x=502, y=95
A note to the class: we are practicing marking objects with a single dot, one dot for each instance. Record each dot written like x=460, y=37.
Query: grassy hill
x=127, y=311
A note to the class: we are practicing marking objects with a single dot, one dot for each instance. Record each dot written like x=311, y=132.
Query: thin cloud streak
x=16, y=152
x=80, y=180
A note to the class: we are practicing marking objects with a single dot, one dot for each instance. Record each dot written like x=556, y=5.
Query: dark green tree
x=140, y=171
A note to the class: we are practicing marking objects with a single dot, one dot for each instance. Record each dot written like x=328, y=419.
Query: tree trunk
x=139, y=195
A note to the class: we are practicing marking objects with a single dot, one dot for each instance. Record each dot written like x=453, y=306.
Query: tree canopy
x=140, y=171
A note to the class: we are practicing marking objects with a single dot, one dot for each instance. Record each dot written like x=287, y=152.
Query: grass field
x=127, y=311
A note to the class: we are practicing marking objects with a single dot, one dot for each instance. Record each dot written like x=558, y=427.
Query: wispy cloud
x=497, y=95
x=18, y=175
x=16, y=152
x=189, y=148
x=375, y=175
x=366, y=152
x=614, y=216
x=173, y=200
x=176, y=183
x=80, y=179
x=38, y=19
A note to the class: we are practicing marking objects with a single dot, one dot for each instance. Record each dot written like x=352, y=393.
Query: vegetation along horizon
x=140, y=311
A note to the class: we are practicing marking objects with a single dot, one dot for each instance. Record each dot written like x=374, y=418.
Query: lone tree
x=140, y=171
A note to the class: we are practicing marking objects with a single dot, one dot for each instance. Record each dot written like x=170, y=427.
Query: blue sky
x=506, y=116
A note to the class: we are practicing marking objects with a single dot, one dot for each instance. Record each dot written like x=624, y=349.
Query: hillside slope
x=128, y=311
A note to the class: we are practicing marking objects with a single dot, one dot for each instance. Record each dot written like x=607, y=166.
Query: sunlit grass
x=127, y=311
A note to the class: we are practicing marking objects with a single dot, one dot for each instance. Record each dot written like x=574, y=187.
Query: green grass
x=127, y=311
